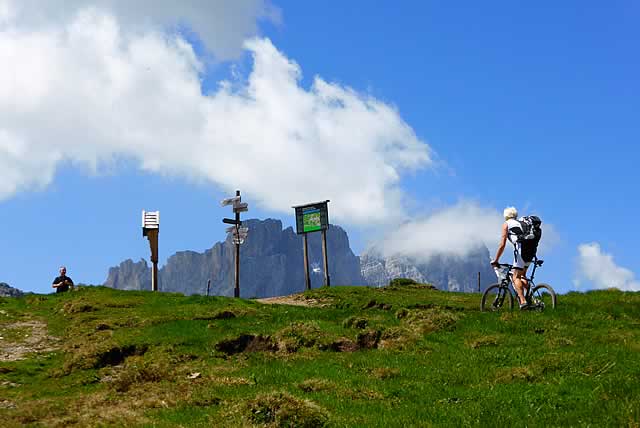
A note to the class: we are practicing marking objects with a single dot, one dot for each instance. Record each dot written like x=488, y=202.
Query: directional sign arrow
x=240, y=205
x=240, y=209
x=231, y=221
x=229, y=201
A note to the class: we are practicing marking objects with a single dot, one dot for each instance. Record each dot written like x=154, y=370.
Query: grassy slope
x=425, y=358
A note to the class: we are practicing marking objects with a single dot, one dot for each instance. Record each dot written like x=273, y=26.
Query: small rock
x=6, y=404
x=195, y=375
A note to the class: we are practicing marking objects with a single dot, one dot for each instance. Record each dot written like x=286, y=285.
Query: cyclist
x=520, y=267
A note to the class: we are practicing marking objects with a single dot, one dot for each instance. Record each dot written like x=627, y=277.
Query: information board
x=312, y=217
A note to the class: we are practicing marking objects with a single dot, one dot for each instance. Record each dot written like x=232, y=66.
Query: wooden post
x=307, y=279
x=208, y=286
x=154, y=276
x=478, y=282
x=327, y=279
x=152, y=234
x=236, y=290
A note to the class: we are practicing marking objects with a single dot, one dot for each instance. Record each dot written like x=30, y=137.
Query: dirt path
x=294, y=300
x=19, y=339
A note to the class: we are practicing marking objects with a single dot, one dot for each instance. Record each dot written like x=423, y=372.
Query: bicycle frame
x=509, y=279
x=534, y=294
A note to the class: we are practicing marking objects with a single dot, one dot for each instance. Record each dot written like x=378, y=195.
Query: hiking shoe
x=524, y=306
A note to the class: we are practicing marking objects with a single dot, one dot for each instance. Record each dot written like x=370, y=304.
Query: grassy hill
x=354, y=356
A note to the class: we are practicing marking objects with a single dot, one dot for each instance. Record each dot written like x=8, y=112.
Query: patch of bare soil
x=34, y=340
x=295, y=300
x=247, y=343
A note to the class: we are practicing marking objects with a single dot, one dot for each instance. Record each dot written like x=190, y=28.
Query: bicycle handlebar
x=501, y=265
x=536, y=262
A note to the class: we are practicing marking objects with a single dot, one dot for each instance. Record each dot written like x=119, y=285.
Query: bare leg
x=518, y=285
x=525, y=283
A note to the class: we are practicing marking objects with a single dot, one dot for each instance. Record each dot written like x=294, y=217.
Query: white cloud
x=89, y=91
x=456, y=230
x=222, y=25
x=601, y=271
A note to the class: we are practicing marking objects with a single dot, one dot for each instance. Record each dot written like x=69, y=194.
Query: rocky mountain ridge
x=8, y=291
x=271, y=264
x=447, y=272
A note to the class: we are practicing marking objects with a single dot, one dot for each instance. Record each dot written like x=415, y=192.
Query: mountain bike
x=500, y=296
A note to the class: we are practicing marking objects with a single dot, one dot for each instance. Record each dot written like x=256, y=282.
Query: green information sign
x=312, y=217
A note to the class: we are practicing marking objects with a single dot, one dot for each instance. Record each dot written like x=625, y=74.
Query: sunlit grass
x=405, y=355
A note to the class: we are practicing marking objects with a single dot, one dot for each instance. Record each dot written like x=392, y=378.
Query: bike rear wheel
x=545, y=294
x=496, y=298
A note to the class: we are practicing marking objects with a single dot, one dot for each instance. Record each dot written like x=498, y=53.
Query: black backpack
x=528, y=234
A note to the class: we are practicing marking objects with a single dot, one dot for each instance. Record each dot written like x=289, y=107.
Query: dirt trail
x=34, y=339
x=294, y=300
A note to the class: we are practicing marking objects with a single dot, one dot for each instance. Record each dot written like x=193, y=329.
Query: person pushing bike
x=520, y=264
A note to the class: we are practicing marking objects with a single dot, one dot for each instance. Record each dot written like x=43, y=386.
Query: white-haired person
x=520, y=284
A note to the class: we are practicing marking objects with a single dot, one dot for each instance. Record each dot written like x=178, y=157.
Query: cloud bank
x=456, y=231
x=85, y=87
x=599, y=268
x=222, y=25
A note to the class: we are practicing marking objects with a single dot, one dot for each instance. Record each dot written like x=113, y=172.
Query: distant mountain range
x=447, y=272
x=8, y=291
x=271, y=264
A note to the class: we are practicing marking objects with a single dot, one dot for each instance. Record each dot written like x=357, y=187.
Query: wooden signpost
x=239, y=233
x=151, y=229
x=313, y=217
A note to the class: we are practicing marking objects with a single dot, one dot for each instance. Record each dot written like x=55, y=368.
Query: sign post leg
x=327, y=278
x=307, y=280
x=236, y=290
x=152, y=234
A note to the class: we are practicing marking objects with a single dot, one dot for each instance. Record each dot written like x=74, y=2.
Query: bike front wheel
x=545, y=294
x=496, y=298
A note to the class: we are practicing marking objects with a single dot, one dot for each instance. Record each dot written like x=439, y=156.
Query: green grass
x=404, y=355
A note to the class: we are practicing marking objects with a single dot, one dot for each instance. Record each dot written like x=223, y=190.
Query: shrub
x=398, y=282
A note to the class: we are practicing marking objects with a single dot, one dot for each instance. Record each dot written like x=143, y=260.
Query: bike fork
x=499, y=300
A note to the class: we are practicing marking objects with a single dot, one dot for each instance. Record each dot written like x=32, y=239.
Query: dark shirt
x=61, y=279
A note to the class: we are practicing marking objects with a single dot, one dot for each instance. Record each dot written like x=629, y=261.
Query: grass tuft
x=300, y=335
x=281, y=409
x=316, y=385
x=355, y=322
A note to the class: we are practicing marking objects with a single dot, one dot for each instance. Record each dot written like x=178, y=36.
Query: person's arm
x=56, y=284
x=503, y=243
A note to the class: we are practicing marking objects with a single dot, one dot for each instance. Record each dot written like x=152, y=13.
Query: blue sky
x=532, y=105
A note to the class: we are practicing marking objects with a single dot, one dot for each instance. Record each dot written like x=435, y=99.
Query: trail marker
x=239, y=234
